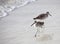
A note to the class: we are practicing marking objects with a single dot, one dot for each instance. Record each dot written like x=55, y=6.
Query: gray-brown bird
x=38, y=24
x=42, y=16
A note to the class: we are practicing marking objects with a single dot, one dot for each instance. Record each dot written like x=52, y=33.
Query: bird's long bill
x=33, y=24
x=50, y=14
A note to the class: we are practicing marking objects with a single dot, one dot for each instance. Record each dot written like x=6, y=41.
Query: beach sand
x=15, y=28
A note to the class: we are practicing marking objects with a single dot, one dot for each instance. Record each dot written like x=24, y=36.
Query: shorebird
x=42, y=16
x=38, y=24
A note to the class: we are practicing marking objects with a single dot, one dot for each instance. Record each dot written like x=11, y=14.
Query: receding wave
x=7, y=6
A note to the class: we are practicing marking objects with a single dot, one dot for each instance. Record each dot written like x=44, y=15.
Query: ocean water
x=7, y=6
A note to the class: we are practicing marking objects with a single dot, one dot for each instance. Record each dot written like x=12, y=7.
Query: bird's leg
x=36, y=33
x=38, y=30
x=42, y=29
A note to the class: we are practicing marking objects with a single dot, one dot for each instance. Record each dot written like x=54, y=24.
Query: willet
x=42, y=16
x=38, y=24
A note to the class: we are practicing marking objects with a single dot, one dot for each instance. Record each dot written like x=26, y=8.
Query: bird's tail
x=34, y=18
